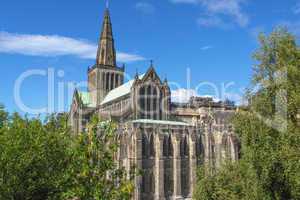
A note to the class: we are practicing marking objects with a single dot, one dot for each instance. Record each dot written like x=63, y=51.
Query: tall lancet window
x=145, y=146
x=154, y=102
x=199, y=150
x=168, y=167
x=107, y=81
x=149, y=102
x=141, y=107
x=152, y=146
x=185, y=168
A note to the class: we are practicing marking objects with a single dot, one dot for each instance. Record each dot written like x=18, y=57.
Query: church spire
x=106, y=54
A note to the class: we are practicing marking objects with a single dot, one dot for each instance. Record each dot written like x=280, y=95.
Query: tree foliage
x=3, y=116
x=41, y=161
x=269, y=130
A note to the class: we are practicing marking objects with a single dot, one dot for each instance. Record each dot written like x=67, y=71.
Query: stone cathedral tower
x=105, y=75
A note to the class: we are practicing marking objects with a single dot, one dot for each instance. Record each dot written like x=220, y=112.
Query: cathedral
x=166, y=140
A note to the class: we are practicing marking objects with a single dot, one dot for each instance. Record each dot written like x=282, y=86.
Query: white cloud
x=145, y=7
x=125, y=57
x=205, y=48
x=53, y=45
x=182, y=95
x=296, y=9
x=217, y=10
x=213, y=21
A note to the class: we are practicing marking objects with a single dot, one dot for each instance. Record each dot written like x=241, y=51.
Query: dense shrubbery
x=270, y=164
x=41, y=161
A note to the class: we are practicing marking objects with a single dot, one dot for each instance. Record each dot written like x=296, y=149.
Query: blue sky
x=213, y=39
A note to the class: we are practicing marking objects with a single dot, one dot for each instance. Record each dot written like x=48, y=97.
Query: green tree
x=95, y=172
x=268, y=130
x=33, y=160
x=41, y=161
x=3, y=116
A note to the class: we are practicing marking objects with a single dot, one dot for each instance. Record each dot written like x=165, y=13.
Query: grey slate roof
x=119, y=91
x=161, y=122
x=86, y=99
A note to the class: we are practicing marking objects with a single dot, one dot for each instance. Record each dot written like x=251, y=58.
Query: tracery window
x=149, y=102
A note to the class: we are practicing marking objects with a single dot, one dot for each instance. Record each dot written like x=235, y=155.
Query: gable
x=151, y=75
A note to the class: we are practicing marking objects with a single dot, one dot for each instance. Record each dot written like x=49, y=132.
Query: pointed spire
x=106, y=54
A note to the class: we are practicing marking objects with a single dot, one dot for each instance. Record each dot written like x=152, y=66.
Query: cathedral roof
x=85, y=99
x=161, y=122
x=119, y=91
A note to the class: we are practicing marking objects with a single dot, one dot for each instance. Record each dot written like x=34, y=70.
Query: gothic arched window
x=117, y=80
x=149, y=102
x=107, y=81
x=112, y=81
x=170, y=147
x=141, y=106
x=185, y=168
x=152, y=146
x=103, y=80
x=102, y=53
x=144, y=146
x=184, y=148
x=199, y=149
x=165, y=146
x=155, y=102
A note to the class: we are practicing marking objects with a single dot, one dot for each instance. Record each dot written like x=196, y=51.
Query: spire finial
x=136, y=73
x=151, y=63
